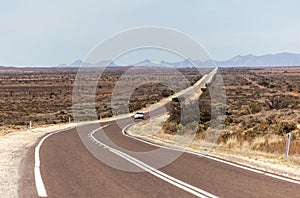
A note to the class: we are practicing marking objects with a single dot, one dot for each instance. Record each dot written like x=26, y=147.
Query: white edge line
x=39, y=184
x=176, y=182
x=175, y=148
x=282, y=178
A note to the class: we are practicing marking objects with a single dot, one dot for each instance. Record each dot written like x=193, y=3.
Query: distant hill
x=106, y=63
x=281, y=59
x=147, y=62
x=79, y=63
x=184, y=63
x=76, y=63
x=269, y=60
x=6, y=67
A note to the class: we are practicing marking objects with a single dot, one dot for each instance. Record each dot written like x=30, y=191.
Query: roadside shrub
x=254, y=107
x=225, y=136
x=179, y=129
x=175, y=112
x=166, y=92
x=282, y=101
x=205, y=116
x=284, y=127
x=264, y=83
x=170, y=127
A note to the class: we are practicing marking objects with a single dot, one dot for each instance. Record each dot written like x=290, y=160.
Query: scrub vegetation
x=262, y=106
x=44, y=95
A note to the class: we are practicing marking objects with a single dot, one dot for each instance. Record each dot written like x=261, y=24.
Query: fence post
x=288, y=141
x=30, y=125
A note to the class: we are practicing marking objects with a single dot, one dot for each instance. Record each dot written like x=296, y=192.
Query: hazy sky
x=39, y=32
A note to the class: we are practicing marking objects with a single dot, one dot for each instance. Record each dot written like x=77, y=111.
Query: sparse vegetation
x=263, y=105
x=44, y=95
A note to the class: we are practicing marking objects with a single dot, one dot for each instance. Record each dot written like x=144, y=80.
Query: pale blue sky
x=39, y=32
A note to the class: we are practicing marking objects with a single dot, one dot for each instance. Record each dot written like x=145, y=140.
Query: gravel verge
x=13, y=147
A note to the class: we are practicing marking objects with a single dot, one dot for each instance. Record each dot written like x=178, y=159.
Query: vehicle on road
x=139, y=115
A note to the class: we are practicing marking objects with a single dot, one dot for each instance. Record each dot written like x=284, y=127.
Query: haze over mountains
x=269, y=60
x=280, y=59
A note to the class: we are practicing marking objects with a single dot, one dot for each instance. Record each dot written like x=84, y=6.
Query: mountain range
x=280, y=59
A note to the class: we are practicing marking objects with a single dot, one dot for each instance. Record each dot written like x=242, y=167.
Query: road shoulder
x=14, y=149
x=150, y=130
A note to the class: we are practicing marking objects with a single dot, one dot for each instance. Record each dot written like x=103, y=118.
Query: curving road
x=80, y=163
x=68, y=169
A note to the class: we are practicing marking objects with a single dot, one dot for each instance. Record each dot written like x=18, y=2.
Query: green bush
x=179, y=129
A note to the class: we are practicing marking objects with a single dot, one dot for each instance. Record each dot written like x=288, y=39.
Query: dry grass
x=44, y=95
x=263, y=105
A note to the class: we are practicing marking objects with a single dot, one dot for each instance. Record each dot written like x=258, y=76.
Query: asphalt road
x=70, y=169
x=101, y=160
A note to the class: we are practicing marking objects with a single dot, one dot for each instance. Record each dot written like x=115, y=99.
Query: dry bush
x=275, y=144
x=261, y=108
x=284, y=127
x=231, y=142
x=282, y=101
x=254, y=107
